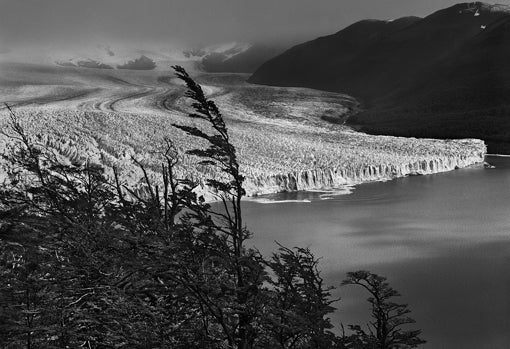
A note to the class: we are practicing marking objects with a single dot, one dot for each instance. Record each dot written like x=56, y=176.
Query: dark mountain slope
x=447, y=75
x=465, y=94
x=328, y=62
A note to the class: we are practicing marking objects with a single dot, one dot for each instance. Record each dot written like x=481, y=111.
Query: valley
x=254, y=175
x=284, y=136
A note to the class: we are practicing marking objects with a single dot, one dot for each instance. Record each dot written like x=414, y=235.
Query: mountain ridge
x=410, y=71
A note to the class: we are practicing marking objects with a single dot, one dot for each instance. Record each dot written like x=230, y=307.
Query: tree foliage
x=300, y=301
x=385, y=330
x=89, y=261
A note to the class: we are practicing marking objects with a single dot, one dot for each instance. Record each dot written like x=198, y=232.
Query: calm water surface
x=442, y=240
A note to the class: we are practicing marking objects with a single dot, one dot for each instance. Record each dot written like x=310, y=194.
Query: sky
x=26, y=22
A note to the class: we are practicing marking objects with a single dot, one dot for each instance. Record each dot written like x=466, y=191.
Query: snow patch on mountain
x=111, y=55
x=226, y=50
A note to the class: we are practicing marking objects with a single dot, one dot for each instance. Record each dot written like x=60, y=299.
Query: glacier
x=337, y=177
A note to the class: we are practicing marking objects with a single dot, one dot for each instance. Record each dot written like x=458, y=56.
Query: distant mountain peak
x=495, y=7
x=237, y=57
x=228, y=50
x=477, y=8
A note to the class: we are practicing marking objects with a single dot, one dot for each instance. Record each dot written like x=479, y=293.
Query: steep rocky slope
x=446, y=75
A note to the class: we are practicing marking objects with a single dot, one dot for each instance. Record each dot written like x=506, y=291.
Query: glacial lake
x=442, y=240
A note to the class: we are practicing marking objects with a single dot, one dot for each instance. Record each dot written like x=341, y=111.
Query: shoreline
x=282, y=146
x=346, y=189
x=338, y=178
x=499, y=155
x=334, y=182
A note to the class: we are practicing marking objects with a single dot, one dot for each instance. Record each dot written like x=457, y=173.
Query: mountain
x=141, y=63
x=445, y=76
x=234, y=57
x=246, y=61
x=226, y=50
x=105, y=57
x=228, y=57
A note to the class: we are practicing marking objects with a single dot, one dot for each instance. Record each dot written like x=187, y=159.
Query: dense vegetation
x=464, y=120
x=88, y=261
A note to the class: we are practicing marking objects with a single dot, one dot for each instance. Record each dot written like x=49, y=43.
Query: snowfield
x=284, y=136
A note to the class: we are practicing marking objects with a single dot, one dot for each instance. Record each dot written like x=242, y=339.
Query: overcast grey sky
x=192, y=21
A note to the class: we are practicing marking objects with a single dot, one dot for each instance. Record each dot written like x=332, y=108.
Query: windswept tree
x=243, y=266
x=385, y=331
x=76, y=251
x=300, y=302
x=87, y=260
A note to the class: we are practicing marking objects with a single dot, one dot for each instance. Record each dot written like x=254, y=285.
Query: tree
x=50, y=215
x=80, y=254
x=243, y=266
x=300, y=302
x=113, y=248
x=87, y=260
x=385, y=330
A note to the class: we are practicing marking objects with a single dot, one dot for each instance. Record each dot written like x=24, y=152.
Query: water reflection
x=443, y=241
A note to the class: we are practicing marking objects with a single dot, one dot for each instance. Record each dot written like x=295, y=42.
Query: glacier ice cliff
x=273, y=158
x=358, y=173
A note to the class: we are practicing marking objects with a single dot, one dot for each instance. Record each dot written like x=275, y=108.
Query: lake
x=442, y=240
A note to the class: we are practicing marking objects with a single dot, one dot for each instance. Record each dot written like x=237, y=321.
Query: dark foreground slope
x=446, y=75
